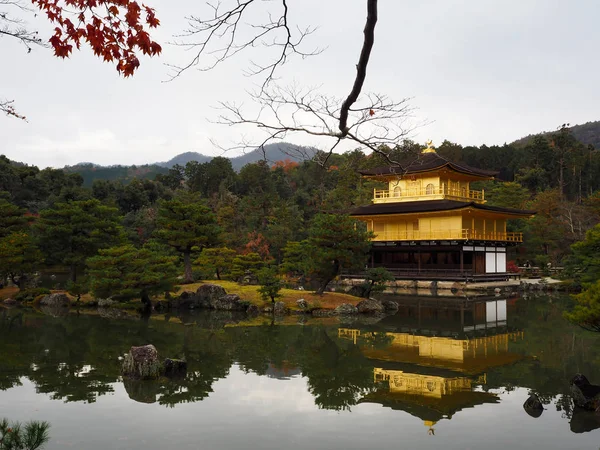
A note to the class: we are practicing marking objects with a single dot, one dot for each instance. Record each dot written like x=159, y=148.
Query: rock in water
x=10, y=301
x=175, y=367
x=585, y=395
x=583, y=421
x=533, y=406
x=141, y=362
x=370, y=306
x=346, y=308
x=54, y=300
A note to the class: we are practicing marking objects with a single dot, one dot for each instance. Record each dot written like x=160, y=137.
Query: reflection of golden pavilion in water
x=432, y=376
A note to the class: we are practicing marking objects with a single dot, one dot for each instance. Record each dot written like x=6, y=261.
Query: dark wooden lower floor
x=450, y=261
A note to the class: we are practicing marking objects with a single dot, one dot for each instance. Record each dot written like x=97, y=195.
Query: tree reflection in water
x=75, y=357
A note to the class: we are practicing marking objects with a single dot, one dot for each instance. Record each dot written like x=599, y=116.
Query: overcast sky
x=480, y=71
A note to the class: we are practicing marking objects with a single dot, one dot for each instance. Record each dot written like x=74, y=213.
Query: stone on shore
x=228, y=302
x=346, y=309
x=302, y=304
x=322, y=312
x=105, y=302
x=208, y=294
x=390, y=305
x=370, y=306
x=10, y=301
x=55, y=300
x=279, y=308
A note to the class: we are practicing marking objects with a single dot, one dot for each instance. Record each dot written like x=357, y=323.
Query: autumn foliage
x=114, y=29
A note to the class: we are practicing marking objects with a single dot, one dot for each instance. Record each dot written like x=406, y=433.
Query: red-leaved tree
x=114, y=29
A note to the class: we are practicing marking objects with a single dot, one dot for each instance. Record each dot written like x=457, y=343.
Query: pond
x=448, y=373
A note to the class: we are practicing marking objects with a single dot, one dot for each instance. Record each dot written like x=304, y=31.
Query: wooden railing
x=447, y=235
x=385, y=196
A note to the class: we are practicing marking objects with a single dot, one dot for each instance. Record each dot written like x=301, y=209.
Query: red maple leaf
x=118, y=36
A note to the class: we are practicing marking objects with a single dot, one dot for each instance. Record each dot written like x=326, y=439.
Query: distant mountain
x=272, y=152
x=183, y=158
x=588, y=134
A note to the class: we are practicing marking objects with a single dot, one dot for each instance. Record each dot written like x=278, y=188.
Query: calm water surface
x=442, y=373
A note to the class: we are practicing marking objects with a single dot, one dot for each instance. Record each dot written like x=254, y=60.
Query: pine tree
x=187, y=225
x=71, y=232
x=218, y=261
x=18, y=257
x=335, y=242
x=126, y=272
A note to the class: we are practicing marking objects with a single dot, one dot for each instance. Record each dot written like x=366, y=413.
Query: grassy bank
x=249, y=293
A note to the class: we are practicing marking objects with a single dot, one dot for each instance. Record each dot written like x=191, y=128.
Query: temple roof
x=432, y=409
x=427, y=162
x=423, y=206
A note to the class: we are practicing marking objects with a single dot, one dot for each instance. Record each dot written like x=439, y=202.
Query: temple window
x=397, y=191
x=429, y=189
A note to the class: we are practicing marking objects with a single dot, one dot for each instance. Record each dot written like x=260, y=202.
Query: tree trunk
x=325, y=281
x=561, y=180
x=74, y=273
x=146, y=301
x=218, y=274
x=187, y=277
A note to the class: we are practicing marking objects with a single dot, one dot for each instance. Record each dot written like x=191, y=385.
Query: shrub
x=512, y=267
x=29, y=295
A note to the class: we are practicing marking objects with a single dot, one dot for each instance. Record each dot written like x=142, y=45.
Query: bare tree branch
x=375, y=122
x=6, y=106
x=372, y=120
x=14, y=27
x=225, y=34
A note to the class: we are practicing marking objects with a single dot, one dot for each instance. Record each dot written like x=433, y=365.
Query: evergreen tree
x=19, y=257
x=586, y=312
x=336, y=242
x=12, y=218
x=246, y=265
x=186, y=225
x=218, y=261
x=584, y=263
x=71, y=232
x=125, y=272
x=270, y=284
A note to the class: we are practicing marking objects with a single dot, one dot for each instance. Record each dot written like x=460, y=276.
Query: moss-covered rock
x=142, y=363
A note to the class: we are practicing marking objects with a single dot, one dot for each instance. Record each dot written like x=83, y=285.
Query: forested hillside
x=271, y=153
x=90, y=172
x=266, y=209
x=587, y=133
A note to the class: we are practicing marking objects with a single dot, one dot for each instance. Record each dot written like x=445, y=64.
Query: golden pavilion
x=430, y=224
